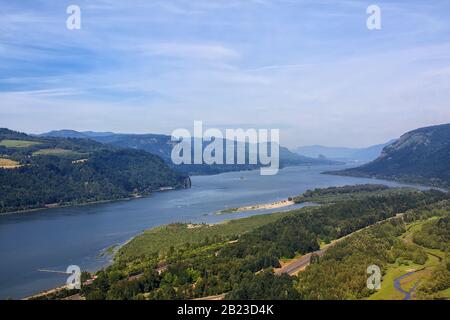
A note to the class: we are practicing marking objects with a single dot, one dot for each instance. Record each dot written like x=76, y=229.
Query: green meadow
x=55, y=152
x=18, y=143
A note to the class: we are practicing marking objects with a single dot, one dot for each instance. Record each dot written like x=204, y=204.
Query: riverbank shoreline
x=162, y=189
x=50, y=207
x=89, y=203
x=413, y=183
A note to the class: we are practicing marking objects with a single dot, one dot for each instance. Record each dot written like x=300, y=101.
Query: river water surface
x=56, y=238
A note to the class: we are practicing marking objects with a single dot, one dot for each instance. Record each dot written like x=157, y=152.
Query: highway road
x=300, y=263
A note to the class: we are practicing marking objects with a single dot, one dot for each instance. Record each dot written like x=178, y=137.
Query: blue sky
x=308, y=67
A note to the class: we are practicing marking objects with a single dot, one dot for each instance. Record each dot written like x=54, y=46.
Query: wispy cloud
x=309, y=66
x=192, y=51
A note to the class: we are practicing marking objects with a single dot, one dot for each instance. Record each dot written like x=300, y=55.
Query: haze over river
x=56, y=238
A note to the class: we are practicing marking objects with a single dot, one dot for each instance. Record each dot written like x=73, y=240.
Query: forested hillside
x=419, y=156
x=410, y=268
x=59, y=171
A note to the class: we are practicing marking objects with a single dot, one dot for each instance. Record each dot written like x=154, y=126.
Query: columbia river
x=56, y=238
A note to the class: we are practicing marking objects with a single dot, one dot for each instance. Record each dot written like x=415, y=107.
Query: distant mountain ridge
x=162, y=145
x=419, y=156
x=343, y=153
x=75, y=134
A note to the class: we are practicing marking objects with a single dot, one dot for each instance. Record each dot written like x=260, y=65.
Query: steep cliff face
x=421, y=156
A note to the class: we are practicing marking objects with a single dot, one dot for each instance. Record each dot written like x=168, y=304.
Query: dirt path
x=398, y=286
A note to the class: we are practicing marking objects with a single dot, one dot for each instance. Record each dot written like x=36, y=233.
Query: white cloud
x=192, y=51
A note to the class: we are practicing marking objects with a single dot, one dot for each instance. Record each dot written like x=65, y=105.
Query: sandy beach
x=265, y=206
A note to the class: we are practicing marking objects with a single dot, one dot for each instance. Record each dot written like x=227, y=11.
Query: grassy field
x=445, y=293
x=414, y=227
x=18, y=143
x=160, y=239
x=8, y=164
x=55, y=152
x=388, y=291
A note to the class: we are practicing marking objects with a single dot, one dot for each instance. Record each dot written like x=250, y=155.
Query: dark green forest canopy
x=73, y=171
x=342, y=270
x=353, y=192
